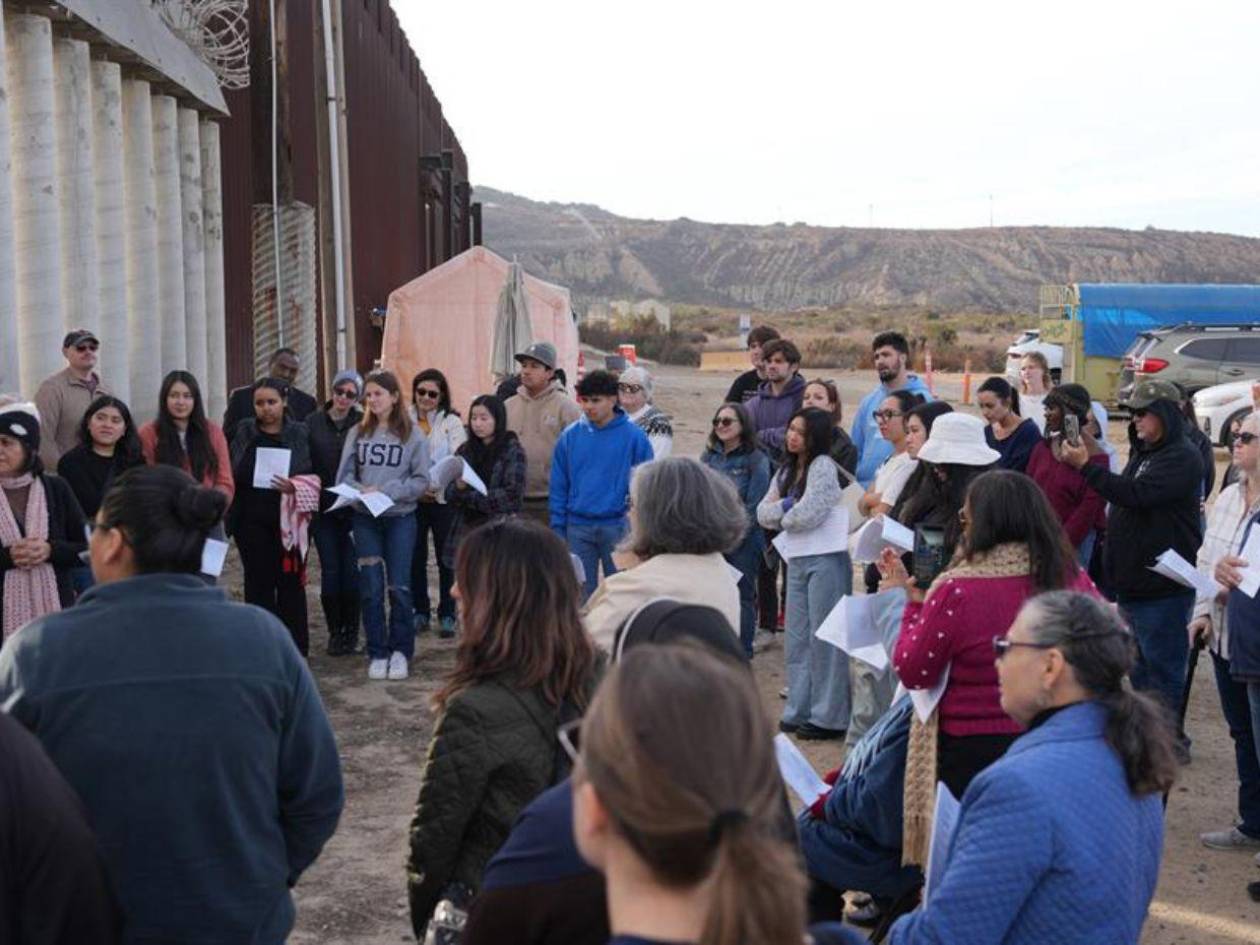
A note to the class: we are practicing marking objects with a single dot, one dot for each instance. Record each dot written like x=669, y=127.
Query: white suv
x=1028, y=342
x=1217, y=407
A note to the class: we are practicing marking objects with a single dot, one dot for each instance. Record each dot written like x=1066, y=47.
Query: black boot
x=350, y=624
x=332, y=605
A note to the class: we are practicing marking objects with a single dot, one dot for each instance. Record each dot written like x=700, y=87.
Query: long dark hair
x=747, y=432
x=127, y=452
x=818, y=426
x=1100, y=650
x=482, y=456
x=197, y=452
x=939, y=496
x=1007, y=506
x=444, y=390
x=519, y=612
x=165, y=516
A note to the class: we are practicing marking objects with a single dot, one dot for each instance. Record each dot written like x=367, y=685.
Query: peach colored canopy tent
x=445, y=319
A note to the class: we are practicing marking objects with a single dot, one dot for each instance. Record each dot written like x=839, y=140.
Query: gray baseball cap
x=543, y=352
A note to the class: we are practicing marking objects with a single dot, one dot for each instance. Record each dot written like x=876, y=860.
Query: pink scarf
x=296, y=511
x=28, y=592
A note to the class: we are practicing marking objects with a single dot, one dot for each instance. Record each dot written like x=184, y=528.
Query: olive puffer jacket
x=493, y=751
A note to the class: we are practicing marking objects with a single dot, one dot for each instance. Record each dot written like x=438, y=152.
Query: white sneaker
x=377, y=669
x=397, y=666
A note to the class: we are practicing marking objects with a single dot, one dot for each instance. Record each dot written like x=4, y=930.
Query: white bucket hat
x=958, y=438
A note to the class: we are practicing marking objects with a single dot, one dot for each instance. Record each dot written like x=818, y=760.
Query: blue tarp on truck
x=1114, y=313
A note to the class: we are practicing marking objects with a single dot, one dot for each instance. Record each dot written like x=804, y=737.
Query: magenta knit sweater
x=956, y=629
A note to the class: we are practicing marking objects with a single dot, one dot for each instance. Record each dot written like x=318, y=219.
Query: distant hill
x=601, y=256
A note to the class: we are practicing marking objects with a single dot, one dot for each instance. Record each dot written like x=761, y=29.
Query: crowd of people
x=601, y=767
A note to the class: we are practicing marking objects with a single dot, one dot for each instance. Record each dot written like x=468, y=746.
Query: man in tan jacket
x=64, y=398
x=538, y=414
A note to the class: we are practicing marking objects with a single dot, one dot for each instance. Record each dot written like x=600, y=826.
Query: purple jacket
x=770, y=414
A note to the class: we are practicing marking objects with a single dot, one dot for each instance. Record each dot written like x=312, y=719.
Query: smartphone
x=929, y=554
x=1072, y=429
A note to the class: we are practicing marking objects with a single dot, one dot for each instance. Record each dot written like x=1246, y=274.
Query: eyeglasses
x=348, y=394
x=428, y=392
x=629, y=388
x=1139, y=413
x=1246, y=439
x=726, y=421
x=886, y=414
x=569, y=737
x=1002, y=646
x=86, y=346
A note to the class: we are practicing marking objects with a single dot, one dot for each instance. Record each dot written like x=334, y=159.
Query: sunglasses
x=629, y=388
x=728, y=421
x=569, y=737
x=1246, y=439
x=87, y=346
x=886, y=414
x=428, y=392
x=347, y=393
x=1139, y=413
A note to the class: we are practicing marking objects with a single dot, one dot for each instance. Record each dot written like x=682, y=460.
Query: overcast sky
x=843, y=113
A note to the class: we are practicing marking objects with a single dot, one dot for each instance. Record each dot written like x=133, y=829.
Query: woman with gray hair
x=1070, y=817
x=683, y=518
x=634, y=393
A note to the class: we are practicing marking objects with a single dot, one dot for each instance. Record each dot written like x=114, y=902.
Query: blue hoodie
x=590, y=471
x=873, y=449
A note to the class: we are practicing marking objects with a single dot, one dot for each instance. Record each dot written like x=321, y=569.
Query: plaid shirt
x=1225, y=525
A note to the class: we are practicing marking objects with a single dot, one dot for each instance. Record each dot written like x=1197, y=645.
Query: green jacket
x=493, y=751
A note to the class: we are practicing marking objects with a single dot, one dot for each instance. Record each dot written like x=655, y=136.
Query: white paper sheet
x=944, y=822
x=448, y=470
x=213, y=554
x=736, y=574
x=1250, y=553
x=925, y=700
x=876, y=535
x=444, y=472
x=374, y=502
x=1176, y=568
x=270, y=462
x=798, y=774
x=831, y=535
x=851, y=627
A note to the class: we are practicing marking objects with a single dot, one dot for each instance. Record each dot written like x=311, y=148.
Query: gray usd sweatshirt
x=399, y=470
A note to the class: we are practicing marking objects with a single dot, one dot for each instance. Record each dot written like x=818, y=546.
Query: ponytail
x=1139, y=730
x=758, y=891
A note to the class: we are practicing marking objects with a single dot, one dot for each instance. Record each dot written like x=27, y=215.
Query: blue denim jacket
x=749, y=470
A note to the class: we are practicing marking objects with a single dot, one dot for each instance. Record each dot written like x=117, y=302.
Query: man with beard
x=892, y=355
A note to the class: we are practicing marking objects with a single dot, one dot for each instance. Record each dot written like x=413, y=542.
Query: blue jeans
x=747, y=558
x=817, y=672
x=384, y=546
x=1159, y=624
x=1236, y=708
x=338, y=570
x=594, y=544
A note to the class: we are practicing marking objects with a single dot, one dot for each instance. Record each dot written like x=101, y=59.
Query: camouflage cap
x=1147, y=392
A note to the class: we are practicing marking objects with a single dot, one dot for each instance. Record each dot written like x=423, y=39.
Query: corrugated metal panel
x=393, y=119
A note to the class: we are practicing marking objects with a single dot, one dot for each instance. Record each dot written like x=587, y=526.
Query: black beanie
x=21, y=421
x=1073, y=398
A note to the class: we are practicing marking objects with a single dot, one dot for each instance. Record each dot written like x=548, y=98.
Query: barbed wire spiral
x=217, y=30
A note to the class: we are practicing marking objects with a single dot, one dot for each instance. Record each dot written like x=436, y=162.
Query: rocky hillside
x=601, y=256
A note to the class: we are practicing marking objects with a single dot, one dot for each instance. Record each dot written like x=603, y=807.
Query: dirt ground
x=355, y=893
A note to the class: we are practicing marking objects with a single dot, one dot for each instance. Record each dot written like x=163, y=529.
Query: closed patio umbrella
x=513, y=330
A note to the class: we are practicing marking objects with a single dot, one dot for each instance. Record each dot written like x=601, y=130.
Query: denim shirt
x=749, y=470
